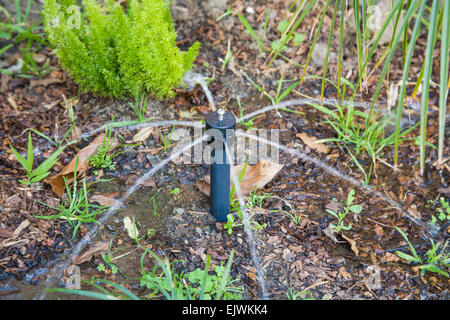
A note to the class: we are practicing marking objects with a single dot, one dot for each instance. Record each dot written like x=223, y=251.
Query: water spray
x=221, y=126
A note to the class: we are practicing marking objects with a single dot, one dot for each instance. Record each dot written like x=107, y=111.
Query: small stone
x=154, y=160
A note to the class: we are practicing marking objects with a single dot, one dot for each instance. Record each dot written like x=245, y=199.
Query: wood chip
x=22, y=226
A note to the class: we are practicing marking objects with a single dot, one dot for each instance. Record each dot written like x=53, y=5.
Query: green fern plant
x=117, y=52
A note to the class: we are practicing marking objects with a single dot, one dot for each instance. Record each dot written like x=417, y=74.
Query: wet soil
x=293, y=256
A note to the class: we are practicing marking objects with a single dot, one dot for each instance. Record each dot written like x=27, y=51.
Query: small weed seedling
x=291, y=213
x=279, y=96
x=255, y=199
x=281, y=45
x=19, y=29
x=259, y=39
x=104, y=158
x=108, y=266
x=58, y=142
x=153, y=201
x=349, y=206
x=166, y=139
x=248, y=125
x=197, y=284
x=350, y=127
x=76, y=209
x=444, y=212
x=174, y=191
x=44, y=168
x=303, y=295
x=432, y=261
x=140, y=106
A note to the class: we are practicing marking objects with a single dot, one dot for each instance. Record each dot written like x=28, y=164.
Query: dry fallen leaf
x=95, y=249
x=312, y=143
x=352, y=244
x=104, y=201
x=143, y=134
x=258, y=175
x=390, y=257
x=57, y=181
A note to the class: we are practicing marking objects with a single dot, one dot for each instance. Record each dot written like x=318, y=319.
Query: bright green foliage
x=434, y=260
x=349, y=206
x=76, y=209
x=117, y=52
x=103, y=158
x=194, y=285
x=43, y=170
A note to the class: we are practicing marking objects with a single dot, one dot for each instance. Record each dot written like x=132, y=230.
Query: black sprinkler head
x=224, y=123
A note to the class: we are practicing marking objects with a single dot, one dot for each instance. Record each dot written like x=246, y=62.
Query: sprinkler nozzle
x=220, y=114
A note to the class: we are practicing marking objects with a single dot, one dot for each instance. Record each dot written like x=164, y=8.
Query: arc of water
x=331, y=102
x=161, y=123
x=334, y=172
x=133, y=126
x=93, y=231
x=248, y=231
x=191, y=78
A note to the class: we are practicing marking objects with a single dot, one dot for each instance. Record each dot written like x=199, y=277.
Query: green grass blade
x=30, y=157
x=21, y=159
x=444, y=74
x=406, y=67
x=48, y=163
x=411, y=247
x=225, y=276
x=85, y=293
x=394, y=45
x=316, y=37
x=250, y=30
x=292, y=26
x=432, y=30
x=121, y=288
x=325, y=65
x=205, y=275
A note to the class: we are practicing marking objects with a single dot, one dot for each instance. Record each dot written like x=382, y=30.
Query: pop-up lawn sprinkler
x=220, y=125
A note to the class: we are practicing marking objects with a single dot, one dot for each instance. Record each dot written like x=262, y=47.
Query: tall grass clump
x=401, y=25
x=115, y=51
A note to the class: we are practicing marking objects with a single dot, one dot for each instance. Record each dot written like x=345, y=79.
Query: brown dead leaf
x=95, y=249
x=143, y=134
x=57, y=181
x=312, y=143
x=390, y=257
x=352, y=243
x=104, y=201
x=258, y=175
